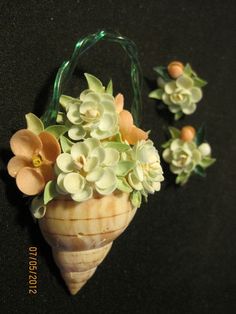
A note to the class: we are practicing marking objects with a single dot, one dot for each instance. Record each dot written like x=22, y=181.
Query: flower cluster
x=179, y=88
x=93, y=150
x=187, y=153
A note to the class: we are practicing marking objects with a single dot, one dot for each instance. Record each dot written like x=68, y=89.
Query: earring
x=187, y=153
x=179, y=88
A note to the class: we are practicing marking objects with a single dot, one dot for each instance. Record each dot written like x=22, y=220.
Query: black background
x=178, y=255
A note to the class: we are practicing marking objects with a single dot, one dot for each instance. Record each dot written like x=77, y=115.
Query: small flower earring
x=187, y=153
x=179, y=88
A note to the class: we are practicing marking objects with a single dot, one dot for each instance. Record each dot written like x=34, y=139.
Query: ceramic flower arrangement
x=187, y=153
x=86, y=175
x=179, y=88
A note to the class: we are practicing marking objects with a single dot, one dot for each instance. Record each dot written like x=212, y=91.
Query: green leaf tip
x=57, y=130
x=174, y=132
x=34, y=124
x=66, y=144
x=136, y=199
x=156, y=94
x=94, y=83
x=109, y=89
x=123, y=185
x=49, y=192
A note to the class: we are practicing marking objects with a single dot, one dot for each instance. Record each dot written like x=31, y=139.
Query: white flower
x=147, y=172
x=92, y=115
x=89, y=166
x=182, y=156
x=181, y=95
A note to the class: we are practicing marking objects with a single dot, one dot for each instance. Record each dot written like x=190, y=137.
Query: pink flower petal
x=16, y=163
x=51, y=148
x=25, y=143
x=136, y=135
x=125, y=121
x=30, y=181
x=47, y=172
x=119, y=101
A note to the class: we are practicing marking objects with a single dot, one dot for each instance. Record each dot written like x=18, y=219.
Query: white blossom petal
x=184, y=82
x=83, y=195
x=65, y=162
x=134, y=182
x=112, y=157
x=76, y=132
x=196, y=94
x=79, y=149
x=73, y=182
x=170, y=87
x=189, y=109
x=95, y=175
x=107, y=179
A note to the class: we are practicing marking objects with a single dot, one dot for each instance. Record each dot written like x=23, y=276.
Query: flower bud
x=175, y=69
x=187, y=133
x=205, y=149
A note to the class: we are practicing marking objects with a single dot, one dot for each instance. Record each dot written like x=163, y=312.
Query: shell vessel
x=81, y=234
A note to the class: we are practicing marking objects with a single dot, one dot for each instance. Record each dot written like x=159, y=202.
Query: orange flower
x=128, y=130
x=32, y=165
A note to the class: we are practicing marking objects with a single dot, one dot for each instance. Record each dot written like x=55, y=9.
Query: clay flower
x=186, y=153
x=32, y=165
x=128, y=130
x=182, y=157
x=179, y=88
x=88, y=166
x=93, y=114
x=147, y=172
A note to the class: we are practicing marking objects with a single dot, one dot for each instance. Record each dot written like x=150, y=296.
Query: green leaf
x=65, y=101
x=199, y=82
x=109, y=88
x=174, y=132
x=166, y=144
x=188, y=69
x=200, y=136
x=123, y=185
x=156, y=94
x=136, y=199
x=200, y=171
x=124, y=167
x=37, y=207
x=182, y=178
x=66, y=144
x=178, y=115
x=120, y=147
x=34, y=124
x=162, y=71
x=49, y=192
x=118, y=137
x=57, y=130
x=207, y=162
x=94, y=83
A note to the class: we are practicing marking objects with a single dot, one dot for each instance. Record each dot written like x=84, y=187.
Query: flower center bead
x=182, y=159
x=37, y=161
x=177, y=98
x=91, y=113
x=80, y=162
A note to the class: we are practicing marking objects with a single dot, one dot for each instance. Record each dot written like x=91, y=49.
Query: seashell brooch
x=86, y=165
x=179, y=88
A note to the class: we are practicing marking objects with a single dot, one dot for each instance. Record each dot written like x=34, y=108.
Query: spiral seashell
x=81, y=234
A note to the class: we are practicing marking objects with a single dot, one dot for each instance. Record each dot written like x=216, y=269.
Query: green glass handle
x=67, y=68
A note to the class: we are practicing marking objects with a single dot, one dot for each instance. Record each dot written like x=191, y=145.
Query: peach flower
x=128, y=130
x=32, y=165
